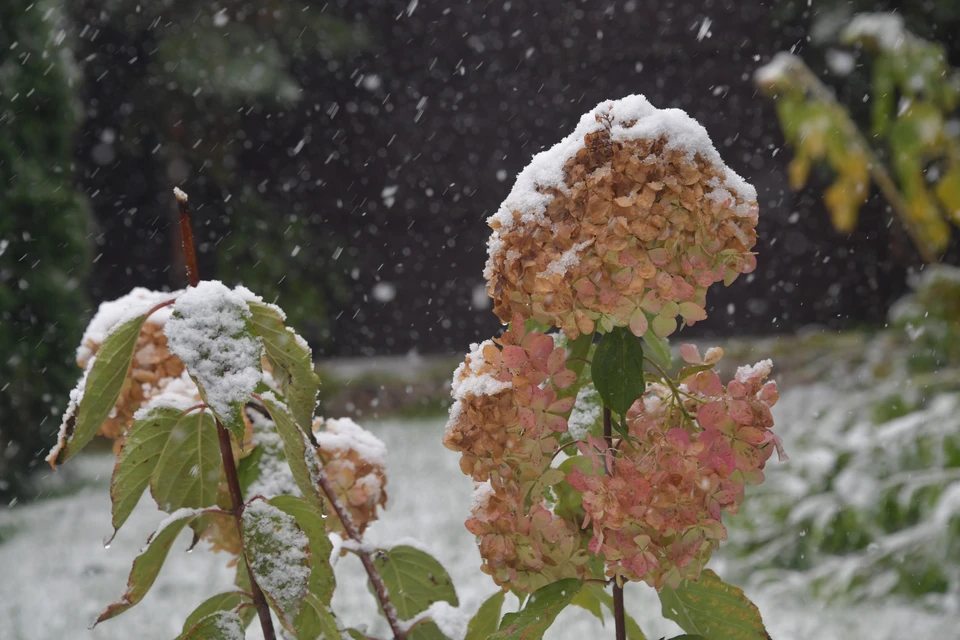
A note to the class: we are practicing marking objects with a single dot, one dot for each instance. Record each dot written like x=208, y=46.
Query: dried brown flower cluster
x=355, y=461
x=627, y=223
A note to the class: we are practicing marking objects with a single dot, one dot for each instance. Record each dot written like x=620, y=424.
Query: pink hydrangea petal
x=514, y=357
x=638, y=323
x=690, y=353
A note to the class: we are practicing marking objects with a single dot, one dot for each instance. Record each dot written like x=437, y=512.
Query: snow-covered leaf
x=150, y=561
x=278, y=552
x=290, y=357
x=311, y=521
x=98, y=390
x=713, y=608
x=210, y=331
x=220, y=625
x=484, y=623
x=541, y=609
x=299, y=451
x=221, y=602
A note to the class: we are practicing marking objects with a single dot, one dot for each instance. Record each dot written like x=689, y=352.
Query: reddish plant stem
x=186, y=237
x=351, y=530
x=619, y=615
x=226, y=449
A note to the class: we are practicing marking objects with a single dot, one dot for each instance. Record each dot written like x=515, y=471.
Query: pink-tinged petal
x=709, y=383
x=737, y=389
x=740, y=411
x=584, y=287
x=564, y=379
x=663, y=326
x=527, y=418
x=704, y=278
x=752, y=436
x=690, y=353
x=769, y=394
x=556, y=424
x=684, y=289
x=748, y=456
x=781, y=453
x=711, y=415
x=557, y=360
x=651, y=302
x=638, y=323
x=514, y=357
x=660, y=257
x=713, y=355
x=749, y=264
x=562, y=406
x=692, y=313
x=541, y=348
x=679, y=438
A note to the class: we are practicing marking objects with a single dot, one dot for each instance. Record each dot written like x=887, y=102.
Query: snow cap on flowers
x=629, y=219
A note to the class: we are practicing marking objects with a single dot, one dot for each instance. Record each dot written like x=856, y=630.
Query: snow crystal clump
x=281, y=563
x=112, y=314
x=886, y=29
x=208, y=331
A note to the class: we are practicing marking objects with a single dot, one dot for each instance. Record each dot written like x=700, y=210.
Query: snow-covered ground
x=57, y=575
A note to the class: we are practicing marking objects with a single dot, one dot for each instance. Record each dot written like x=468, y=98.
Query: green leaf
x=97, y=391
x=316, y=620
x=587, y=600
x=618, y=369
x=219, y=625
x=484, y=623
x=658, y=349
x=600, y=593
x=687, y=636
x=713, y=609
x=221, y=602
x=278, y=552
x=137, y=460
x=322, y=581
x=415, y=580
x=149, y=562
x=577, y=361
x=301, y=456
x=693, y=370
x=290, y=357
x=542, y=608
x=187, y=473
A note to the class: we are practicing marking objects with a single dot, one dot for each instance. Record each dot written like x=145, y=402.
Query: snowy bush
x=595, y=465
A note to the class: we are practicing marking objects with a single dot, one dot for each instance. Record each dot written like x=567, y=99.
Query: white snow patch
x=281, y=567
x=343, y=434
x=887, y=29
x=209, y=333
x=112, y=314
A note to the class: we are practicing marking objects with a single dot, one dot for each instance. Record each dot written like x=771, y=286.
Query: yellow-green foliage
x=914, y=91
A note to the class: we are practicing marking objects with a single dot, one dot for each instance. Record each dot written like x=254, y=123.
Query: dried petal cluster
x=355, y=461
x=153, y=366
x=505, y=421
x=630, y=218
x=655, y=507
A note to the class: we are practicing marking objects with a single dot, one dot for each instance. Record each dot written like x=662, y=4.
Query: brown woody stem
x=351, y=530
x=226, y=448
x=619, y=614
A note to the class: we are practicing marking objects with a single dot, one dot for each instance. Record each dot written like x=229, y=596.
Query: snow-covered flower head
x=631, y=217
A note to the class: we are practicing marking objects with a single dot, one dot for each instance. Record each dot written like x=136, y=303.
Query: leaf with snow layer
x=278, y=552
x=228, y=601
x=322, y=581
x=290, y=357
x=220, y=625
x=301, y=455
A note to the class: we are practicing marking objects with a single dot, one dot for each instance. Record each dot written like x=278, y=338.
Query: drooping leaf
x=484, y=623
x=149, y=562
x=541, y=609
x=137, y=460
x=188, y=471
x=618, y=369
x=290, y=357
x=221, y=602
x=316, y=620
x=301, y=456
x=98, y=390
x=600, y=593
x=219, y=625
x=587, y=600
x=322, y=581
x=415, y=580
x=278, y=552
x=713, y=609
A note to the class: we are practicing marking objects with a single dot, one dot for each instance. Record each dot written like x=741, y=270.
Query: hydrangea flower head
x=630, y=218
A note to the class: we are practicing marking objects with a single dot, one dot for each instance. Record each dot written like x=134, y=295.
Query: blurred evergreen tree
x=45, y=227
